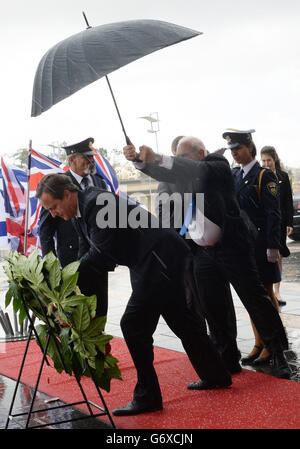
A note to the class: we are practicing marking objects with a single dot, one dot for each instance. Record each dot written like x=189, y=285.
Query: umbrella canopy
x=95, y=52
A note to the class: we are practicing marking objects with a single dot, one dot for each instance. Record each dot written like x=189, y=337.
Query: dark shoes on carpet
x=278, y=361
x=262, y=360
x=205, y=385
x=134, y=408
x=251, y=358
x=280, y=366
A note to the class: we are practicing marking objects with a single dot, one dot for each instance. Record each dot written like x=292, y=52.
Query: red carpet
x=255, y=401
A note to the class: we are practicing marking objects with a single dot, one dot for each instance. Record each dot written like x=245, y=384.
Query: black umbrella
x=95, y=52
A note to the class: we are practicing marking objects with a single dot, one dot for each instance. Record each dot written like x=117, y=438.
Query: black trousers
x=158, y=292
x=95, y=282
x=213, y=268
x=214, y=298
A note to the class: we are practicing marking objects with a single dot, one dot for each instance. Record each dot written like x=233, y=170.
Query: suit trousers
x=95, y=282
x=213, y=295
x=239, y=268
x=159, y=292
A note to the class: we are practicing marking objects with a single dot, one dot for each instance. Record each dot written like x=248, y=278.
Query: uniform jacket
x=286, y=209
x=286, y=198
x=64, y=232
x=261, y=205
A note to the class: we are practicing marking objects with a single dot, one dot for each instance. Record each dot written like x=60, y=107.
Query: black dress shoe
x=204, y=385
x=281, y=367
x=134, y=408
x=250, y=358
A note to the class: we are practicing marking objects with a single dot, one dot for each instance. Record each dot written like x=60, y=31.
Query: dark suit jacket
x=263, y=210
x=122, y=242
x=63, y=231
x=169, y=208
x=286, y=198
x=211, y=176
x=286, y=209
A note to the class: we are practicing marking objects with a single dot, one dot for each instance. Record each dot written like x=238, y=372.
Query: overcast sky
x=243, y=72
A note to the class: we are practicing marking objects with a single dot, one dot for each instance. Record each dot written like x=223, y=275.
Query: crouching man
x=108, y=225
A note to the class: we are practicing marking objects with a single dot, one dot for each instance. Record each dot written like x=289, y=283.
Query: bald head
x=191, y=148
x=175, y=143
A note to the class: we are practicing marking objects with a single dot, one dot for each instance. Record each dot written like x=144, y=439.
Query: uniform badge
x=272, y=187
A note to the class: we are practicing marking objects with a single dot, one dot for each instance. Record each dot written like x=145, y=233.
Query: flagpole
x=27, y=199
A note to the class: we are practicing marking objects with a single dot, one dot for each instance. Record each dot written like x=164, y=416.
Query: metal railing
x=13, y=331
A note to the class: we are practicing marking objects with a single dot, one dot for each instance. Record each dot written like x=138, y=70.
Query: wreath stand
x=104, y=410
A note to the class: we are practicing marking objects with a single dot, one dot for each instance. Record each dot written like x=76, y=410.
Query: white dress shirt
x=248, y=167
x=201, y=230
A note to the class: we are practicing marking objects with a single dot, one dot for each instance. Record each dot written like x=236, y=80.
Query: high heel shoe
x=262, y=360
x=250, y=358
x=280, y=301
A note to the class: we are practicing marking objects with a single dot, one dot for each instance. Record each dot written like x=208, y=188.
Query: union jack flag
x=104, y=169
x=42, y=165
x=3, y=231
x=14, y=192
x=13, y=196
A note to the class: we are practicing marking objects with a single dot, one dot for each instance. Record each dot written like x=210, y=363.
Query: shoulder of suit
x=268, y=173
x=215, y=157
x=166, y=187
x=257, y=170
x=74, y=180
x=235, y=170
x=100, y=178
x=282, y=174
x=269, y=182
x=87, y=198
x=91, y=193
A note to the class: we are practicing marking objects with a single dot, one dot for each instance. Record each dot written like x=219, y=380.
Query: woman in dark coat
x=270, y=159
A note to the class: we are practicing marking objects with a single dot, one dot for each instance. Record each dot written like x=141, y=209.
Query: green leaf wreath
x=42, y=285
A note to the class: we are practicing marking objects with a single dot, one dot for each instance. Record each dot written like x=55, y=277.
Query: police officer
x=258, y=196
x=60, y=236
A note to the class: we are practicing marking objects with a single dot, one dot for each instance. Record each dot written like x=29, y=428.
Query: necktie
x=188, y=217
x=84, y=183
x=240, y=177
